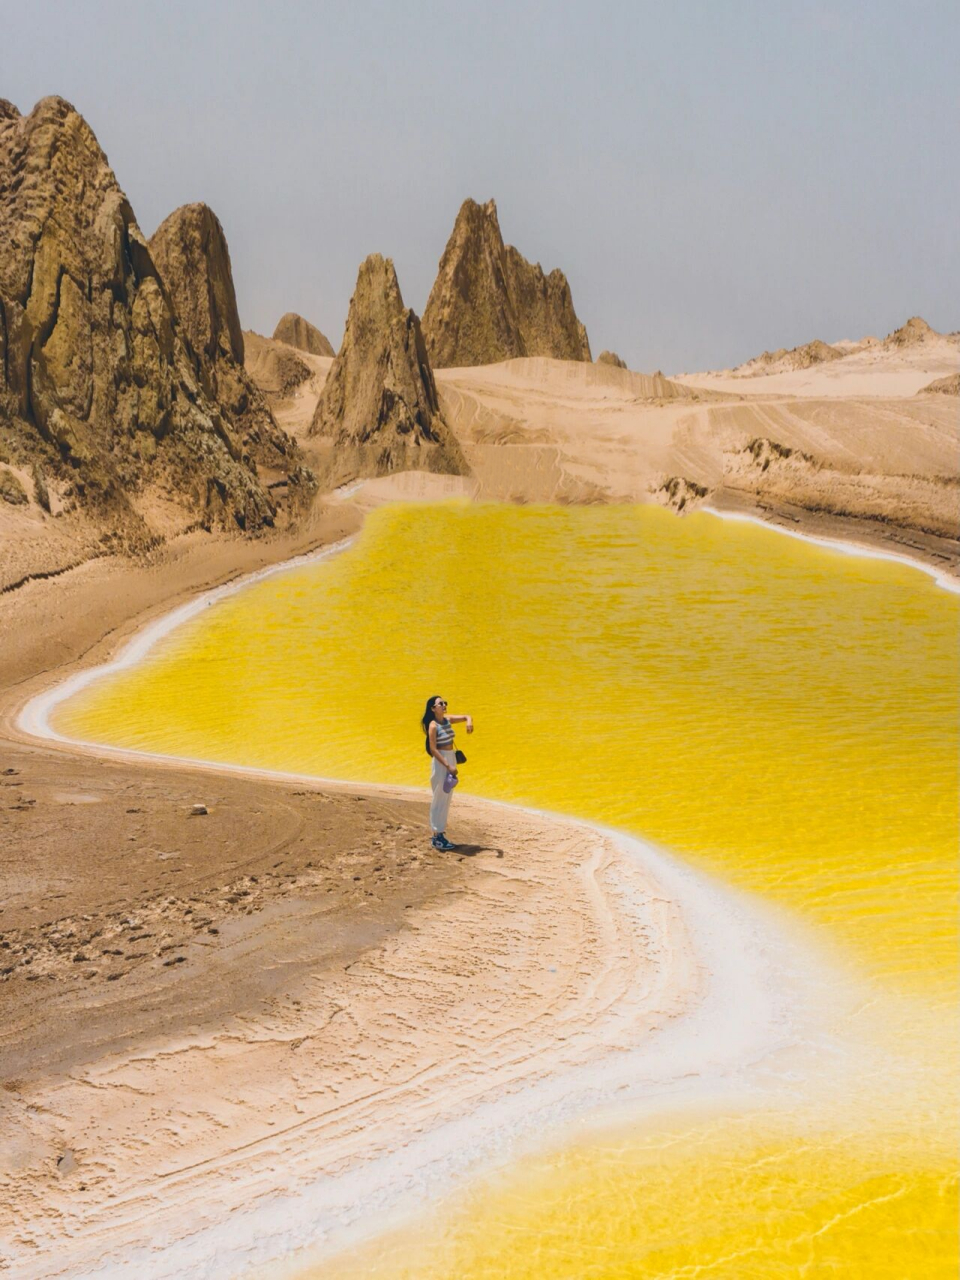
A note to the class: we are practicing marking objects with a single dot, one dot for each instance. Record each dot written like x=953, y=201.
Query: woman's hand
x=469, y=724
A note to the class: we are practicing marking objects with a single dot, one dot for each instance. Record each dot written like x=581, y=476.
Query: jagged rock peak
x=297, y=332
x=97, y=379
x=379, y=407
x=488, y=303
x=915, y=331
x=611, y=357
x=191, y=253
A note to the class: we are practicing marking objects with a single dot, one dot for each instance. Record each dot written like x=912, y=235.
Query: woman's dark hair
x=427, y=720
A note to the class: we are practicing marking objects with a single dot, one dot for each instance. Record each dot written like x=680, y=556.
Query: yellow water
x=782, y=715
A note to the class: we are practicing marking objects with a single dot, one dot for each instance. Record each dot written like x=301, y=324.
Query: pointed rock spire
x=379, y=407
x=489, y=303
x=190, y=251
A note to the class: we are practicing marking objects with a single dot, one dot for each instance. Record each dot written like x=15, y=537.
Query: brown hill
x=949, y=386
x=191, y=254
x=611, y=357
x=489, y=303
x=914, y=332
x=783, y=360
x=276, y=370
x=297, y=332
x=101, y=394
x=379, y=406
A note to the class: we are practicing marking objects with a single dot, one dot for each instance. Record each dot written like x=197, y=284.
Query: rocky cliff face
x=300, y=333
x=611, y=357
x=190, y=252
x=101, y=392
x=379, y=408
x=489, y=303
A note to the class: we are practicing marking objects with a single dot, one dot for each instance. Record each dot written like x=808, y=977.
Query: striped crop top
x=444, y=735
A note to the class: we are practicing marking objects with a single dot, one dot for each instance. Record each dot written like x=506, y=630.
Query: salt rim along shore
x=846, y=547
x=679, y=991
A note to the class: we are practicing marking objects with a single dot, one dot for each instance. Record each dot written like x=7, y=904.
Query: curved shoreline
x=720, y=1004
x=32, y=718
x=943, y=579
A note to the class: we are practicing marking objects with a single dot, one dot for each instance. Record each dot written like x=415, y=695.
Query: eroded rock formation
x=379, y=407
x=779, y=478
x=101, y=392
x=911, y=334
x=785, y=361
x=611, y=357
x=489, y=303
x=948, y=386
x=300, y=333
x=680, y=493
x=191, y=254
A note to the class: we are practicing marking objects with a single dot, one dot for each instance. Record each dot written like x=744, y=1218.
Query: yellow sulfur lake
x=779, y=714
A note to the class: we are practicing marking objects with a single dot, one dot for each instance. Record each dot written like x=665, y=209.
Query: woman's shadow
x=471, y=850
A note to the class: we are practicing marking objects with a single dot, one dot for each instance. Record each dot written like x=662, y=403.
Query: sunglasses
x=440, y=702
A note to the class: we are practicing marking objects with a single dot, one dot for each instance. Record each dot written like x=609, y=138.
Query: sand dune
x=949, y=386
x=889, y=369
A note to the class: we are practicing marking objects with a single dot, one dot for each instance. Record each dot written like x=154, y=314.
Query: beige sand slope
x=900, y=366
x=878, y=469
x=852, y=451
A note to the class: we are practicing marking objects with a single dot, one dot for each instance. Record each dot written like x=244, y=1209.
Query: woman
x=438, y=726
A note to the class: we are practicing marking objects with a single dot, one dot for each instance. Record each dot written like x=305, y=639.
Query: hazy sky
x=714, y=178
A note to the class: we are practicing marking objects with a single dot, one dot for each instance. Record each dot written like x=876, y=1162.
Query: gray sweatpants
x=440, y=805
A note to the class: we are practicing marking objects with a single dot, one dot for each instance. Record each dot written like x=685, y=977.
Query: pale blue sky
x=714, y=178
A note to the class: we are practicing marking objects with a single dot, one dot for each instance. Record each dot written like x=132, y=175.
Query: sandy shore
x=288, y=1010
x=335, y=1052
x=367, y=1034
